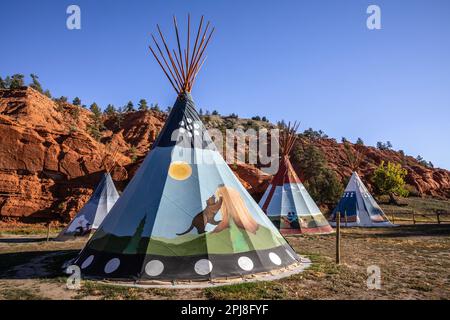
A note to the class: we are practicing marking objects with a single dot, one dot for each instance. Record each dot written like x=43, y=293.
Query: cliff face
x=49, y=163
x=427, y=181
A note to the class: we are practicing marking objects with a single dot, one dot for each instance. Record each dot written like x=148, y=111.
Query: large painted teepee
x=89, y=218
x=286, y=201
x=184, y=215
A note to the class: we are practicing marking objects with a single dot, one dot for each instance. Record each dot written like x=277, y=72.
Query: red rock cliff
x=49, y=163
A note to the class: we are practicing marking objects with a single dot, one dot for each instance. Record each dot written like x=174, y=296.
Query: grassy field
x=423, y=208
x=414, y=262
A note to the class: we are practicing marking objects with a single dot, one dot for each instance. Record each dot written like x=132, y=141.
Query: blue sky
x=312, y=61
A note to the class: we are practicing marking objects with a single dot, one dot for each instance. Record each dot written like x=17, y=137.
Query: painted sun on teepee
x=286, y=201
x=184, y=215
x=89, y=218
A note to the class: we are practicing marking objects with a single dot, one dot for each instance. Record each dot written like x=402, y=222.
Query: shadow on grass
x=35, y=264
x=22, y=240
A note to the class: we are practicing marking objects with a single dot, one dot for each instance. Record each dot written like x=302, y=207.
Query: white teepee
x=93, y=212
x=358, y=208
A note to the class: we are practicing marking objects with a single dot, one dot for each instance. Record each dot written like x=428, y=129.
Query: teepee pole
x=179, y=49
x=181, y=65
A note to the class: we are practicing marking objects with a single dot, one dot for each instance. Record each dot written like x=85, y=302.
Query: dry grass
x=414, y=263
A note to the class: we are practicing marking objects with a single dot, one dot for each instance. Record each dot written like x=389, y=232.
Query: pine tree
x=143, y=106
x=7, y=81
x=96, y=110
x=17, y=81
x=156, y=108
x=2, y=83
x=76, y=101
x=129, y=107
x=360, y=142
x=36, y=85
x=48, y=94
x=96, y=126
x=110, y=110
x=322, y=182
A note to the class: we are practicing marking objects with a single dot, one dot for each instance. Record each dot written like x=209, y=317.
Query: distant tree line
x=17, y=81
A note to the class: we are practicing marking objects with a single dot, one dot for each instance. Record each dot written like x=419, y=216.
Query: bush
x=132, y=154
x=412, y=190
x=75, y=113
x=94, y=131
x=389, y=180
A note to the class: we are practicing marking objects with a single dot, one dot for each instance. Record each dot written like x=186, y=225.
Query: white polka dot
x=189, y=134
x=196, y=125
x=182, y=130
x=245, y=263
x=154, y=268
x=196, y=133
x=189, y=127
x=87, y=262
x=290, y=254
x=181, y=123
x=112, y=265
x=203, y=267
x=189, y=120
x=275, y=258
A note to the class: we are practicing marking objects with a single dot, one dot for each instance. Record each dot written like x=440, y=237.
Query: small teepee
x=357, y=207
x=184, y=215
x=286, y=201
x=95, y=210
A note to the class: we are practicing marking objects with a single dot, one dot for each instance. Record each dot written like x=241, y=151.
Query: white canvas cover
x=94, y=211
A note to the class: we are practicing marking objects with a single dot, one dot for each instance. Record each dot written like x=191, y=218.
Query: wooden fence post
x=48, y=231
x=338, y=237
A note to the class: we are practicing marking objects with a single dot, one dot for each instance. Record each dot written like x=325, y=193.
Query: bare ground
x=414, y=261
